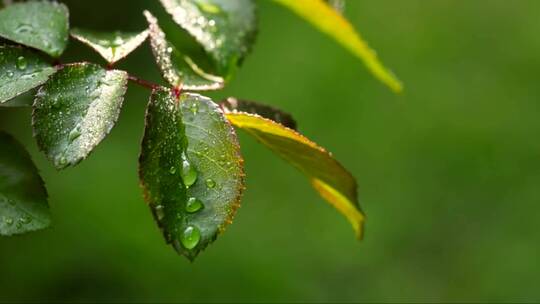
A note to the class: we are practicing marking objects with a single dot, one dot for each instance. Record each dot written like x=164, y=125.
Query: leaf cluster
x=190, y=166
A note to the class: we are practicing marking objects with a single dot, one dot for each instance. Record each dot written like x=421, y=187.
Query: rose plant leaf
x=23, y=198
x=75, y=110
x=21, y=70
x=112, y=46
x=177, y=68
x=329, y=178
x=43, y=25
x=226, y=29
x=190, y=169
x=232, y=104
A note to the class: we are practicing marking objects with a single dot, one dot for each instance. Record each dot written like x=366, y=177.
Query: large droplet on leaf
x=190, y=237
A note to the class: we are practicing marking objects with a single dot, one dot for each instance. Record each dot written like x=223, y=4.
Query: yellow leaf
x=333, y=182
x=329, y=21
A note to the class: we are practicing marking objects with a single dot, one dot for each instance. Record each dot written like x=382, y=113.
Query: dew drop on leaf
x=190, y=237
x=8, y=221
x=189, y=173
x=210, y=183
x=160, y=213
x=193, y=205
x=21, y=63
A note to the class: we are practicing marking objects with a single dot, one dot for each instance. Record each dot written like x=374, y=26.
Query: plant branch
x=143, y=83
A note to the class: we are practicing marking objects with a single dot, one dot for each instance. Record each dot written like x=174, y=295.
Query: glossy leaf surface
x=21, y=70
x=190, y=168
x=111, y=46
x=178, y=69
x=43, y=25
x=75, y=110
x=226, y=29
x=23, y=198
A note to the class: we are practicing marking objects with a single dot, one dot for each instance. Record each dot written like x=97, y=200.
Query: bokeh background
x=449, y=171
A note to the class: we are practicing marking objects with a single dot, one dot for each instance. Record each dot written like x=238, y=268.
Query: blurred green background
x=449, y=171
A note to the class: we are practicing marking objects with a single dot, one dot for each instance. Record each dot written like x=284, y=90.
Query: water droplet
x=193, y=205
x=21, y=63
x=9, y=74
x=75, y=133
x=209, y=8
x=61, y=160
x=25, y=219
x=189, y=174
x=160, y=213
x=172, y=170
x=24, y=28
x=210, y=183
x=194, y=108
x=190, y=237
x=8, y=221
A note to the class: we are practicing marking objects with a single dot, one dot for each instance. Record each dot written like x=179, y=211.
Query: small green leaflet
x=191, y=169
x=111, y=46
x=232, y=104
x=75, y=110
x=21, y=69
x=23, y=198
x=178, y=69
x=226, y=29
x=43, y=25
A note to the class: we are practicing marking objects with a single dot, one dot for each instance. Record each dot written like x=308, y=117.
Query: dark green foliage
x=21, y=69
x=177, y=68
x=23, y=199
x=42, y=25
x=75, y=110
x=190, y=168
x=111, y=46
x=225, y=28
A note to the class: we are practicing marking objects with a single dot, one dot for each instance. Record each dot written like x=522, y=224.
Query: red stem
x=143, y=83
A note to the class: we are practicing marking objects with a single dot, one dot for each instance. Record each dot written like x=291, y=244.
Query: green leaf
x=226, y=29
x=177, y=68
x=75, y=110
x=331, y=22
x=23, y=198
x=111, y=46
x=21, y=70
x=329, y=178
x=232, y=104
x=42, y=25
x=191, y=169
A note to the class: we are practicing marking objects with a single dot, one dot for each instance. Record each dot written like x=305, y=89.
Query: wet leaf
x=75, y=110
x=111, y=46
x=329, y=178
x=329, y=21
x=21, y=70
x=191, y=169
x=226, y=29
x=43, y=25
x=23, y=198
x=232, y=104
x=177, y=68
